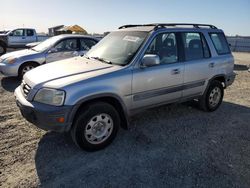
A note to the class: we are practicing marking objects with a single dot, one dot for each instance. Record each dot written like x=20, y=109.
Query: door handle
x=211, y=65
x=175, y=71
x=23, y=37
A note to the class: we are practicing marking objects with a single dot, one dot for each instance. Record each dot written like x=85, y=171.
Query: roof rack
x=161, y=25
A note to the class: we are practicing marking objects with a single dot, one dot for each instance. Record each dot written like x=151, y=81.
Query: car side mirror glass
x=150, y=60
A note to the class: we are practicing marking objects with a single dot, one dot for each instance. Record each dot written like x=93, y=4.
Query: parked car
x=18, y=38
x=53, y=49
x=132, y=69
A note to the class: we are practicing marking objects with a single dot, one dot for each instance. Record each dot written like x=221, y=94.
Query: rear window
x=220, y=43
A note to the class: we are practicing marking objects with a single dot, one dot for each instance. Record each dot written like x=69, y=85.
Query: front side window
x=195, y=46
x=118, y=47
x=18, y=32
x=67, y=45
x=220, y=43
x=165, y=46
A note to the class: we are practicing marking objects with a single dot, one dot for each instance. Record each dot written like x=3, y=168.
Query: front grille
x=26, y=89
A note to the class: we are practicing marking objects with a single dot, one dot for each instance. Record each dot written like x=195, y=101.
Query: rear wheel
x=25, y=68
x=96, y=126
x=212, y=98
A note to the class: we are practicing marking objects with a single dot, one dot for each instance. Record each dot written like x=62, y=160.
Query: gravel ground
x=172, y=146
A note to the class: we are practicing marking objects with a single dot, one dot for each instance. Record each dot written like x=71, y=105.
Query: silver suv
x=131, y=69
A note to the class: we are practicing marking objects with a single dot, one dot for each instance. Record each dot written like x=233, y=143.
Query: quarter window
x=220, y=43
x=165, y=46
x=195, y=46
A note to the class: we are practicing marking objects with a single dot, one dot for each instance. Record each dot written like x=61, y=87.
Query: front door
x=17, y=38
x=161, y=83
x=64, y=49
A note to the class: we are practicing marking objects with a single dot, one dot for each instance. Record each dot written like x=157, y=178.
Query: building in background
x=52, y=30
x=61, y=29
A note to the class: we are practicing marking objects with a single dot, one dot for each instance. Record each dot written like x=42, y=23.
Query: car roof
x=75, y=36
x=170, y=27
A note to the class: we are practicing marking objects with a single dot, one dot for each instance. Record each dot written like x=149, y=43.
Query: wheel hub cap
x=98, y=129
x=214, y=97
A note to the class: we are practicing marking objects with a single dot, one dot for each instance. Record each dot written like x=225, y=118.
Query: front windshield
x=118, y=47
x=46, y=44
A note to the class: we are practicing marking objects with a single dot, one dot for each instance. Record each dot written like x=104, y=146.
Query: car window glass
x=195, y=46
x=30, y=32
x=18, y=32
x=86, y=44
x=206, y=51
x=67, y=45
x=118, y=47
x=164, y=45
x=220, y=43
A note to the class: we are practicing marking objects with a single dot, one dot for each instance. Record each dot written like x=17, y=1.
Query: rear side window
x=220, y=43
x=195, y=46
x=86, y=44
x=30, y=32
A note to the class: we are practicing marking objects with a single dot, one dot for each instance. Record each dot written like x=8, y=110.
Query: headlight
x=50, y=96
x=10, y=60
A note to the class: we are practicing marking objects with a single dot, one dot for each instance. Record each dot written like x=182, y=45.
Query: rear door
x=30, y=36
x=163, y=82
x=198, y=64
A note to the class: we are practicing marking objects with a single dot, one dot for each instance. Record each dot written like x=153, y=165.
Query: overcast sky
x=107, y=15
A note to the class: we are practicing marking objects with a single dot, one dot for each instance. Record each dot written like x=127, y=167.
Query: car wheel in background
x=25, y=68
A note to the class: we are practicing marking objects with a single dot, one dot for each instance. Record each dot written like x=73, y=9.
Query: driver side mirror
x=150, y=60
x=52, y=50
x=10, y=34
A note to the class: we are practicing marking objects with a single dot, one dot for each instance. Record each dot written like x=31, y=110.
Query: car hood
x=65, y=72
x=3, y=35
x=18, y=54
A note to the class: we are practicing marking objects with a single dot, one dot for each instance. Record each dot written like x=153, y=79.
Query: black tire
x=204, y=101
x=23, y=66
x=82, y=124
x=2, y=49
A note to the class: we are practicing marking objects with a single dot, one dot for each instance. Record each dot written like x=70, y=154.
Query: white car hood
x=65, y=72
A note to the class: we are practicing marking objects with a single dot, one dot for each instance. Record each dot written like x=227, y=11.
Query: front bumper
x=230, y=79
x=42, y=115
x=9, y=70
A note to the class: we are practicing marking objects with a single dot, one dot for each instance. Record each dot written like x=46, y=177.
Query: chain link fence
x=239, y=44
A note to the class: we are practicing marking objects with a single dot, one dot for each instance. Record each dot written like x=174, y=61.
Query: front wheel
x=212, y=98
x=25, y=68
x=96, y=126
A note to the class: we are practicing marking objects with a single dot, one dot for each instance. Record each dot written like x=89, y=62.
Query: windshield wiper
x=84, y=55
x=102, y=60
x=33, y=49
